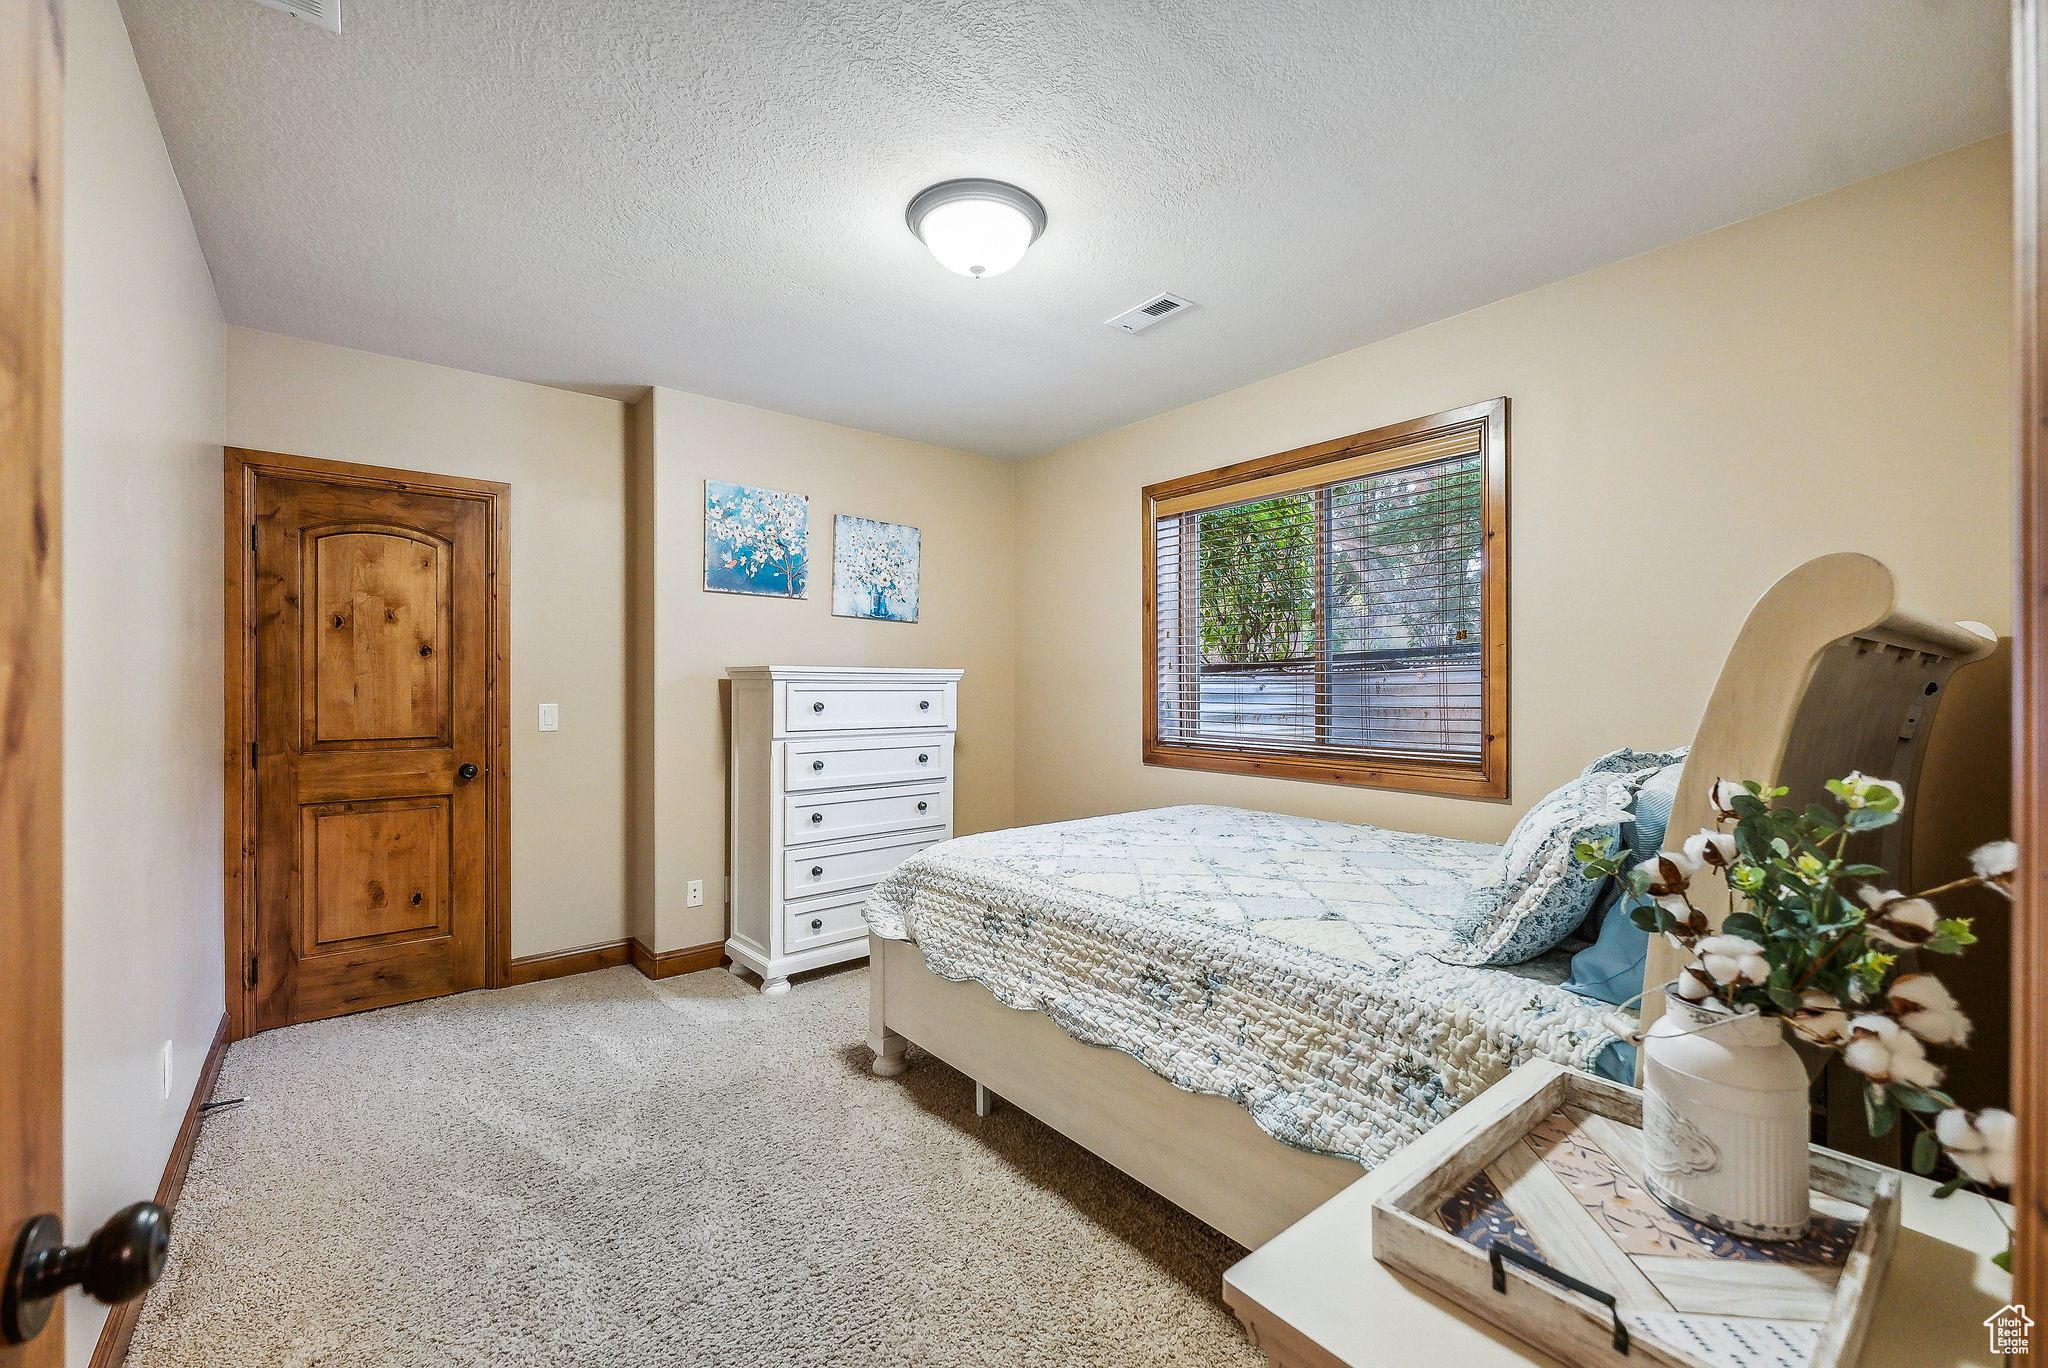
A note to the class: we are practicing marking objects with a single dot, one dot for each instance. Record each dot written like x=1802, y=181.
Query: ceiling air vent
x=325, y=13
x=1150, y=312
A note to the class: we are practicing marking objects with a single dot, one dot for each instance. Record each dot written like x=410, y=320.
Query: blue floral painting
x=874, y=569
x=756, y=541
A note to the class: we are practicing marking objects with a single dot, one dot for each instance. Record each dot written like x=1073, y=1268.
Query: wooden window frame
x=241, y=469
x=1486, y=780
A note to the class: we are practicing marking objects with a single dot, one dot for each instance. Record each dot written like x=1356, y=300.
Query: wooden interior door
x=31, y=758
x=372, y=604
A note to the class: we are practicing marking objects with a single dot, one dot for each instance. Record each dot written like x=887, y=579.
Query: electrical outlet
x=550, y=717
x=164, y=1072
x=693, y=894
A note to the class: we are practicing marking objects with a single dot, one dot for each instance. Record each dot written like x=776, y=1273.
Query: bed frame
x=1827, y=674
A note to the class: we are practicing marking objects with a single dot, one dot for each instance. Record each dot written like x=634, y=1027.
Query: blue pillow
x=1653, y=810
x=1534, y=894
x=1611, y=968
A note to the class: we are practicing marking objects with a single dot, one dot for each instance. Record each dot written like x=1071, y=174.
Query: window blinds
x=1337, y=609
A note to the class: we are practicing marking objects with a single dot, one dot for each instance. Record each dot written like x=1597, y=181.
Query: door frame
x=241, y=468
x=31, y=628
x=2030, y=652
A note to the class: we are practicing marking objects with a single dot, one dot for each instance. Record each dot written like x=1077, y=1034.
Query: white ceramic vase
x=1725, y=1120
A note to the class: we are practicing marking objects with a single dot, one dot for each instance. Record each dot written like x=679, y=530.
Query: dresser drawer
x=845, y=762
x=863, y=812
x=806, y=873
x=822, y=921
x=864, y=707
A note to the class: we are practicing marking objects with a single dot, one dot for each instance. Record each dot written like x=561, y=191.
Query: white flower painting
x=756, y=541
x=874, y=569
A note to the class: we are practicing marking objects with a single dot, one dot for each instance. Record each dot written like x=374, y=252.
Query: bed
x=1281, y=962
x=1246, y=1010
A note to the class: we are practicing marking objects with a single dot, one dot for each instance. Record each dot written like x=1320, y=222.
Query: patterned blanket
x=1274, y=960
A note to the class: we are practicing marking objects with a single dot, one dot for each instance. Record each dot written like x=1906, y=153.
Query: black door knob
x=924, y=705
x=924, y=759
x=466, y=773
x=817, y=923
x=817, y=707
x=121, y=1261
x=817, y=766
x=817, y=871
x=922, y=806
x=817, y=817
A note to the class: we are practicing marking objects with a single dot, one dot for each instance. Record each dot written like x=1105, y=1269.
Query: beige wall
x=564, y=455
x=963, y=506
x=143, y=417
x=1687, y=425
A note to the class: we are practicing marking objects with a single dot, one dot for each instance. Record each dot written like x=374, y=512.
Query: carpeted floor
x=603, y=1170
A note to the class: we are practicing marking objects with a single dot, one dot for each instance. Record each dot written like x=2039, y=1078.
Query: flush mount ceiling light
x=978, y=228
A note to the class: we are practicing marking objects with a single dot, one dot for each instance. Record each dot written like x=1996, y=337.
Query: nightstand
x=1314, y=1296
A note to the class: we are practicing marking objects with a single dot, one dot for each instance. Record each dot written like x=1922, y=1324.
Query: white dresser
x=838, y=776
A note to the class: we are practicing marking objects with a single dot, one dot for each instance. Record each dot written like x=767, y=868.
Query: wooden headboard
x=1828, y=674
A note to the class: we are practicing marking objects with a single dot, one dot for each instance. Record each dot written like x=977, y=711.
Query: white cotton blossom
x=1733, y=960
x=1715, y=849
x=1724, y=793
x=1997, y=864
x=1896, y=919
x=1979, y=1143
x=1693, y=984
x=1675, y=903
x=1998, y=859
x=1820, y=1017
x=1670, y=871
x=1927, y=1009
x=1884, y=1052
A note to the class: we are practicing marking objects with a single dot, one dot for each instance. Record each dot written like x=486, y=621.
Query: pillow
x=1533, y=895
x=1653, y=809
x=1611, y=968
x=1629, y=760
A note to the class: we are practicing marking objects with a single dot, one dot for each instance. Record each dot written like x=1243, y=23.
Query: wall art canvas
x=756, y=541
x=874, y=569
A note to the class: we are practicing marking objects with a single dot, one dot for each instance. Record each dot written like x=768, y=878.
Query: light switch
x=550, y=717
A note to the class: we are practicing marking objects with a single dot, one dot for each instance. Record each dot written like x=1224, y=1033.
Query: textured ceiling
x=709, y=195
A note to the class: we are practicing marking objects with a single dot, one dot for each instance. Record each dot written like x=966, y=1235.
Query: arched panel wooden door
x=375, y=788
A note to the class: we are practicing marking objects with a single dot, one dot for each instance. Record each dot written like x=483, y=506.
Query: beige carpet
x=603, y=1170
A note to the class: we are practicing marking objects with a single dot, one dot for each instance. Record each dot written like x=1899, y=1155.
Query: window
x=1338, y=612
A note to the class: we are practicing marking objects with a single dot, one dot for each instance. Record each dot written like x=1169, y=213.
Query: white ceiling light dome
x=978, y=228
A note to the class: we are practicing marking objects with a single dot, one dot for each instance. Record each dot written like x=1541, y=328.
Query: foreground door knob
x=121, y=1261
x=466, y=773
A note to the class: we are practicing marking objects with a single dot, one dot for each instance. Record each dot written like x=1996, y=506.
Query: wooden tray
x=1551, y=1184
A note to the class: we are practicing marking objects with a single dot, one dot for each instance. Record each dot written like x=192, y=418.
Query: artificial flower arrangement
x=1815, y=940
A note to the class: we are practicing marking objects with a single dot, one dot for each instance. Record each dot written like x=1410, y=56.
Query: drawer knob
x=817, y=707
x=817, y=766
x=924, y=705
x=924, y=759
x=817, y=923
x=922, y=806
x=817, y=817
x=817, y=871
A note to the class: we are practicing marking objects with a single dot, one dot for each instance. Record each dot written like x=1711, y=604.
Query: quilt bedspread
x=1278, y=961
